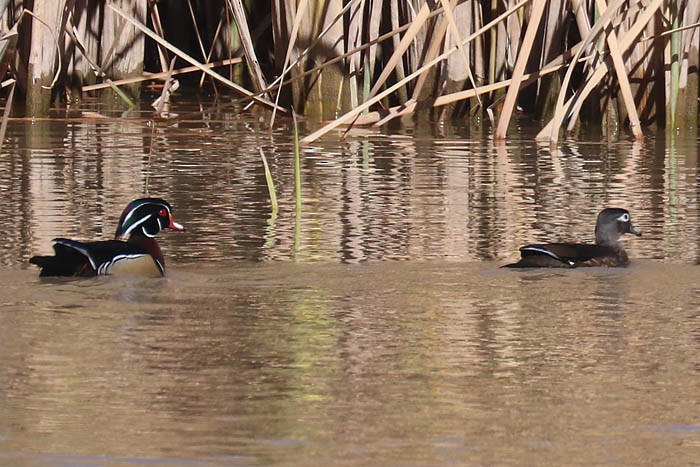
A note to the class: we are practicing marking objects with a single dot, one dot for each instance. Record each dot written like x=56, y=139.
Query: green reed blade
x=270, y=183
x=297, y=187
x=297, y=163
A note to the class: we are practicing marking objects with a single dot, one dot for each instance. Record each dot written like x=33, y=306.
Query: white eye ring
x=624, y=218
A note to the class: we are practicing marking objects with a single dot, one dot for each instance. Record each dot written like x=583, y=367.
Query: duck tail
x=50, y=266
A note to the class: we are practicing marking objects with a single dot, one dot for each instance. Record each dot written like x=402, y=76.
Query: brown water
x=299, y=339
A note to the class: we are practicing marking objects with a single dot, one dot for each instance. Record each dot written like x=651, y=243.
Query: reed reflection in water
x=381, y=196
x=264, y=346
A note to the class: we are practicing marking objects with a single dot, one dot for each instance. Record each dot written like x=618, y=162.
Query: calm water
x=373, y=325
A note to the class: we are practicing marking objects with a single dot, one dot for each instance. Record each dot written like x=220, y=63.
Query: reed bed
x=573, y=65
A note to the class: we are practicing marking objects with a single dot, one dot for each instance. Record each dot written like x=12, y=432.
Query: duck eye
x=624, y=218
x=162, y=213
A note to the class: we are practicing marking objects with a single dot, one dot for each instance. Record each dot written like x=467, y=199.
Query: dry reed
x=369, y=61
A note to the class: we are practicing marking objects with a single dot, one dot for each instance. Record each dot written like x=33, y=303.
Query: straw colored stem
x=158, y=28
x=301, y=10
x=405, y=42
x=247, y=42
x=198, y=35
x=371, y=45
x=575, y=102
x=623, y=80
x=194, y=62
x=411, y=106
x=519, y=70
x=161, y=75
x=353, y=113
x=448, y=8
x=561, y=111
x=270, y=183
x=72, y=32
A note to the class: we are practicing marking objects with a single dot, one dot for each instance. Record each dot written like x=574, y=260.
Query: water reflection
x=287, y=337
x=400, y=360
x=382, y=196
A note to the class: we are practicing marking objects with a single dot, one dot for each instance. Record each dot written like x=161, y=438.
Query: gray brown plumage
x=611, y=224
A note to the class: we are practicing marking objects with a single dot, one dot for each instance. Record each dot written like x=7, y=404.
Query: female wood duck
x=607, y=250
x=134, y=249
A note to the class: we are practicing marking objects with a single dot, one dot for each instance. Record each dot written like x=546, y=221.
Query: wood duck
x=612, y=223
x=134, y=249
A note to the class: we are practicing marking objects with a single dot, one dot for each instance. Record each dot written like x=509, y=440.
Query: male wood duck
x=612, y=223
x=134, y=249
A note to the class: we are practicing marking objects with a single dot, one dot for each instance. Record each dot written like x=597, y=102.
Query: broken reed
x=370, y=61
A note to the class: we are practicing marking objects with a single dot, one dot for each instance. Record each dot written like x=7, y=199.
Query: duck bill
x=175, y=226
x=635, y=230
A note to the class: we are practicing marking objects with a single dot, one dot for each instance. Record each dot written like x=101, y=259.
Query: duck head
x=612, y=223
x=146, y=217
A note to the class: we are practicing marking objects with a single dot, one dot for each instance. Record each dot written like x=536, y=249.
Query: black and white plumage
x=134, y=249
x=611, y=224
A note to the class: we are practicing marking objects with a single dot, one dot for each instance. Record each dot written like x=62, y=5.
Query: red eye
x=162, y=213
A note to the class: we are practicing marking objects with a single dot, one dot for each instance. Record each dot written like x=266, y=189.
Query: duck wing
x=75, y=258
x=565, y=255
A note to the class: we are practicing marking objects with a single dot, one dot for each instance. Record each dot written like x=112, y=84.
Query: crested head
x=612, y=223
x=146, y=217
